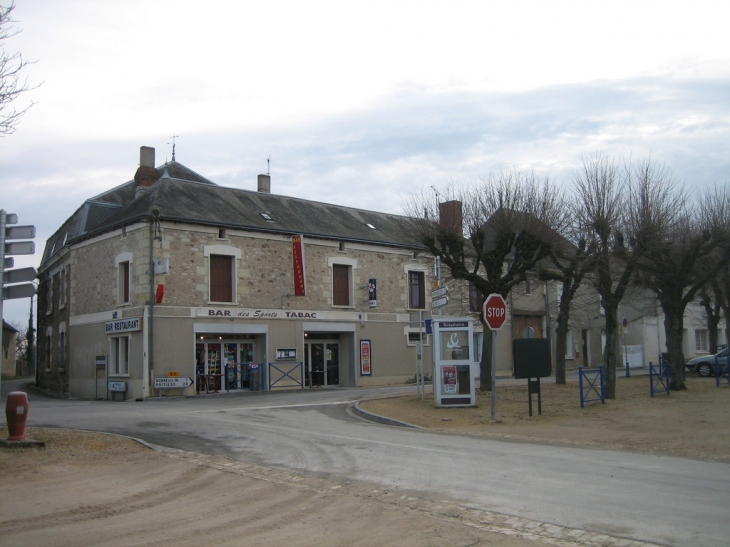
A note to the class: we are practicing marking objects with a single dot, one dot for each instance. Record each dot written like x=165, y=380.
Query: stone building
x=170, y=276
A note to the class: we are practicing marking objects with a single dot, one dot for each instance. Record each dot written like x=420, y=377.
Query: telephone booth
x=454, y=366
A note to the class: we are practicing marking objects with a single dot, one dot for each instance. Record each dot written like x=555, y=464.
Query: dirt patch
x=693, y=423
x=89, y=489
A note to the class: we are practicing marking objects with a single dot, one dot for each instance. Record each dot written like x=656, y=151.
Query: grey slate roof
x=183, y=196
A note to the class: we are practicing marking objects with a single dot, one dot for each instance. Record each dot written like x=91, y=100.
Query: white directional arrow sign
x=443, y=291
x=19, y=248
x=20, y=232
x=174, y=382
x=19, y=275
x=25, y=290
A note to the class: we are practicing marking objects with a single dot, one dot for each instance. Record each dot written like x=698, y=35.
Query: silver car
x=705, y=365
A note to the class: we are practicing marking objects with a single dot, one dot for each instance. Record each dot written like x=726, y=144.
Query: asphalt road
x=670, y=501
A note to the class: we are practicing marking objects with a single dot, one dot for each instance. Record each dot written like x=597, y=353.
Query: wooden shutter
x=221, y=278
x=124, y=280
x=340, y=285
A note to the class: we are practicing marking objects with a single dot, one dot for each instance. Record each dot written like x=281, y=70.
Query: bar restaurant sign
x=123, y=325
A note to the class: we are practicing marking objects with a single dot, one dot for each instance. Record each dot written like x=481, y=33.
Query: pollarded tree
x=613, y=218
x=683, y=256
x=490, y=234
x=568, y=264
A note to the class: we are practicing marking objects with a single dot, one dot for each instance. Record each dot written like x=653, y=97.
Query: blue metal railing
x=599, y=391
x=293, y=368
x=662, y=373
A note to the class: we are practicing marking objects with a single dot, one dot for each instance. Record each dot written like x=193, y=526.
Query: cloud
x=377, y=155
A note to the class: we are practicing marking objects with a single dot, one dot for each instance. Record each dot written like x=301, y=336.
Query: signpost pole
x=420, y=388
x=3, y=222
x=495, y=314
x=492, y=417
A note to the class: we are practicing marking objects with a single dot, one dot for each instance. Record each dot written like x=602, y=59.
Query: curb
x=381, y=419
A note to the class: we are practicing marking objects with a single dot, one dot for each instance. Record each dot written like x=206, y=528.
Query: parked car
x=705, y=365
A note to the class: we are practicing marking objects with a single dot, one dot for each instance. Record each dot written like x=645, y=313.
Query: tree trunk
x=713, y=314
x=560, y=348
x=673, y=327
x=611, y=352
x=485, y=365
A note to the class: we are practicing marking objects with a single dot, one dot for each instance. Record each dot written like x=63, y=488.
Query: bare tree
x=714, y=217
x=12, y=83
x=568, y=264
x=490, y=234
x=609, y=209
x=685, y=248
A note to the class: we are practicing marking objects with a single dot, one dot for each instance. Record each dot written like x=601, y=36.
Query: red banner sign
x=365, y=363
x=300, y=279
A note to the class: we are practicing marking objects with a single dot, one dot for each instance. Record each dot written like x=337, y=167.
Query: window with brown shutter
x=340, y=285
x=124, y=282
x=416, y=291
x=221, y=278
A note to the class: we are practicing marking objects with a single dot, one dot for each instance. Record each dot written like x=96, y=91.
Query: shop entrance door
x=322, y=363
x=223, y=365
x=238, y=358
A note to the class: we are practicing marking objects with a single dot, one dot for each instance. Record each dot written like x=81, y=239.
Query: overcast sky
x=359, y=104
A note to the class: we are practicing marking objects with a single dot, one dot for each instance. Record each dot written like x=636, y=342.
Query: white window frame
x=702, y=341
x=224, y=250
x=115, y=345
x=352, y=264
x=124, y=258
x=419, y=268
x=569, y=345
x=411, y=335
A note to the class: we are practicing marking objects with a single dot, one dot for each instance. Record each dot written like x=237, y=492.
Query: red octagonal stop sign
x=495, y=311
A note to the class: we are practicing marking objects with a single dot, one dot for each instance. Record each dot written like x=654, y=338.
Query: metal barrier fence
x=659, y=375
x=282, y=377
x=599, y=391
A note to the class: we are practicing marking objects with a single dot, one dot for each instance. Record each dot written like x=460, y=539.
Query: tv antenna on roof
x=173, y=145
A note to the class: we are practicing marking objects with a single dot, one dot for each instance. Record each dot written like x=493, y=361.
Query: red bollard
x=16, y=412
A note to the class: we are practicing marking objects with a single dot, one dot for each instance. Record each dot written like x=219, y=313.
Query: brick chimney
x=451, y=216
x=146, y=174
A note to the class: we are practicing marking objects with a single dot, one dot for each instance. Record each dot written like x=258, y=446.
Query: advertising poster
x=365, y=363
x=448, y=379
